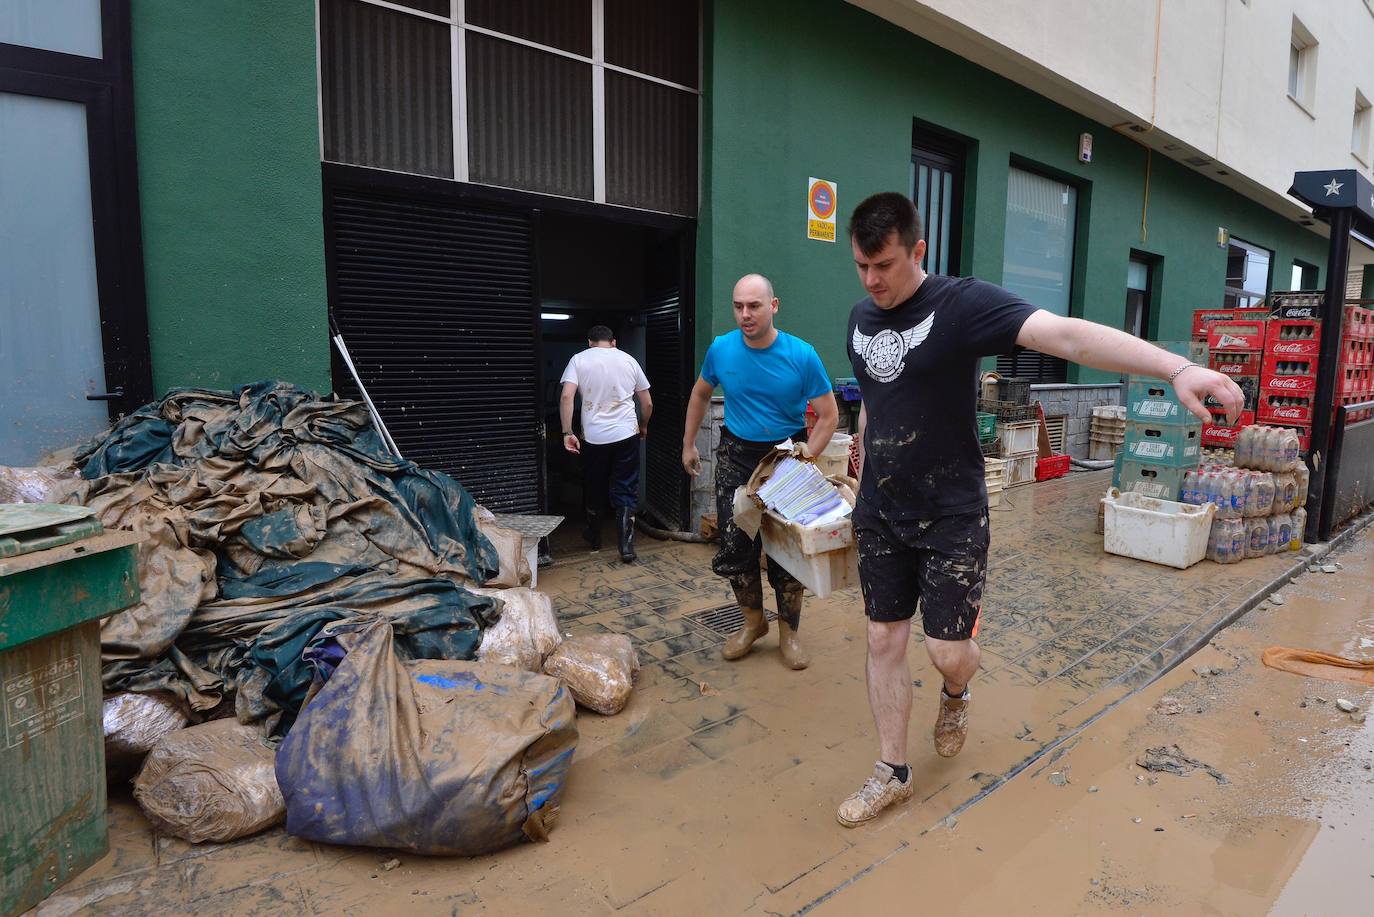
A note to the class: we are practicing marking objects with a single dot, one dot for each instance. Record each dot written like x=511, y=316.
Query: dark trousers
x=611, y=470
x=738, y=557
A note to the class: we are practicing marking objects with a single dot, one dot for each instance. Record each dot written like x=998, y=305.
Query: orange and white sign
x=822, y=202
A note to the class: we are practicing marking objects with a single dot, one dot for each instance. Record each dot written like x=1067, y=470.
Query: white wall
x=1221, y=85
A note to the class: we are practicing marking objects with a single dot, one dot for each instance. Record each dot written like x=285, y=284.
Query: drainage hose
x=1091, y=466
x=667, y=534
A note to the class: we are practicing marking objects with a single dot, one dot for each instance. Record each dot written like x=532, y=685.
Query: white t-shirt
x=607, y=378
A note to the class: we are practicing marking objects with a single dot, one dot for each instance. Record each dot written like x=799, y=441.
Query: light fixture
x=554, y=316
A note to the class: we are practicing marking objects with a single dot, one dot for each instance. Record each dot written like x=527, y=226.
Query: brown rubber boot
x=755, y=626
x=794, y=655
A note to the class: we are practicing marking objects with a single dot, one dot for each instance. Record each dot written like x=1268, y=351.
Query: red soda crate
x=1204, y=317
x=1356, y=352
x=1218, y=435
x=1301, y=304
x=1293, y=337
x=1358, y=323
x=1353, y=380
x=1276, y=364
x=1237, y=336
x=1283, y=408
x=1354, y=416
x=1237, y=364
x=1288, y=385
x=1051, y=466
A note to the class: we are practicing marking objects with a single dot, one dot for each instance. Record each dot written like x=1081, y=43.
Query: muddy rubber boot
x=755, y=626
x=625, y=519
x=591, y=529
x=794, y=655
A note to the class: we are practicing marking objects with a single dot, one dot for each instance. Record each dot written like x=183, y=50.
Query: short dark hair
x=880, y=215
x=600, y=333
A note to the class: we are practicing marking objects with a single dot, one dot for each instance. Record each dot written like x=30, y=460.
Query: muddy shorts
x=942, y=563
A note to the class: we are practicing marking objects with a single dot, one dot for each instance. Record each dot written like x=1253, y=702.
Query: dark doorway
x=937, y=187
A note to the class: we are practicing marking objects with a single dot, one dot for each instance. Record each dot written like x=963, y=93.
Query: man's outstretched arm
x=1091, y=344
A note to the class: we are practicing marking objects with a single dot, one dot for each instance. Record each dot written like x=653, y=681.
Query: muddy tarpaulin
x=437, y=757
x=258, y=504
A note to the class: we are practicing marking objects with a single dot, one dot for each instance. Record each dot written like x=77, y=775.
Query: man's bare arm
x=697, y=403
x=1091, y=344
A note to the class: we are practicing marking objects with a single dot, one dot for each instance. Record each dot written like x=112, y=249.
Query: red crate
x=1293, y=337
x=1297, y=303
x=1356, y=352
x=1353, y=380
x=1204, y=317
x=1051, y=466
x=1236, y=337
x=1288, y=385
x=1218, y=435
x=1237, y=364
x=1358, y=323
x=1283, y=408
x=1277, y=364
x=1364, y=413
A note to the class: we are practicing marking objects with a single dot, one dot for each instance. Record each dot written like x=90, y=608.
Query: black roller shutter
x=436, y=302
x=665, y=482
x=1033, y=366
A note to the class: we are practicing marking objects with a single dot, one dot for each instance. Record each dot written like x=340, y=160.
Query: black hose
x=666, y=534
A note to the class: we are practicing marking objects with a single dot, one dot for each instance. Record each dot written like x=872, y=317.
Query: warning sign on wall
x=821, y=204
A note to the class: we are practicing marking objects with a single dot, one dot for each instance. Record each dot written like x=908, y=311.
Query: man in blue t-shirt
x=768, y=377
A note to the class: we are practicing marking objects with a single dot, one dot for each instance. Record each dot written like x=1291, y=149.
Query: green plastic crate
x=987, y=427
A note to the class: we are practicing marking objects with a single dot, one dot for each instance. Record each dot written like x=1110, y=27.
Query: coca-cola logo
x=1287, y=413
x=1231, y=340
x=1231, y=369
x=1222, y=434
x=1290, y=384
x=1299, y=312
x=1287, y=348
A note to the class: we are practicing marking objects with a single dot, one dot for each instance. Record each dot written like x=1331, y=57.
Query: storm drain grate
x=723, y=619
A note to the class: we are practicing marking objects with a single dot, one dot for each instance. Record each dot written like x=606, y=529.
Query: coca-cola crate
x=1205, y=317
x=1249, y=387
x=1218, y=434
x=1363, y=413
x=1358, y=323
x=1356, y=352
x=1280, y=407
x=1236, y=337
x=1293, y=337
x=1353, y=380
x=1237, y=364
x=1297, y=303
x=1276, y=384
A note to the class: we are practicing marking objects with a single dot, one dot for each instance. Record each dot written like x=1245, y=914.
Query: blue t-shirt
x=766, y=390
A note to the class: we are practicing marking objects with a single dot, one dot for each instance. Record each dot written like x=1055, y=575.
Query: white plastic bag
x=526, y=632
x=133, y=724
x=598, y=670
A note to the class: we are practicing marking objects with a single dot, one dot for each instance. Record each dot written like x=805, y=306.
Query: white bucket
x=834, y=459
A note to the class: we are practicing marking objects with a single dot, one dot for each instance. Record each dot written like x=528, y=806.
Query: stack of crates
x=1236, y=349
x=1163, y=441
x=1288, y=386
x=1107, y=432
x=1355, y=378
x=1017, y=430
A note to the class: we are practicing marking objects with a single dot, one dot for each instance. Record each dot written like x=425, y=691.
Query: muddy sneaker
x=951, y=726
x=878, y=792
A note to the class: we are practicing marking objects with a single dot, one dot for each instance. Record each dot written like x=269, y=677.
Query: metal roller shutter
x=665, y=482
x=436, y=303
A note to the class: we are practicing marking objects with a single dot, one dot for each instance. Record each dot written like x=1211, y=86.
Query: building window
x=1359, y=128
x=1247, y=274
x=1304, y=276
x=1139, y=292
x=1037, y=260
x=1302, y=66
x=590, y=99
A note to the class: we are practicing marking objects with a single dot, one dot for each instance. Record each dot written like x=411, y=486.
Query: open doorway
x=631, y=279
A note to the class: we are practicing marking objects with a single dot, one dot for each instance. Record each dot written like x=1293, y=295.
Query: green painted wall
x=799, y=88
x=229, y=174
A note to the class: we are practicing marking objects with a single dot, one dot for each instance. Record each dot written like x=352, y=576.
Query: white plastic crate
x=1019, y=469
x=1018, y=437
x=823, y=558
x=1159, y=531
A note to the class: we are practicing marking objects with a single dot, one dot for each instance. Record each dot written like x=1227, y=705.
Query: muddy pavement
x=1088, y=830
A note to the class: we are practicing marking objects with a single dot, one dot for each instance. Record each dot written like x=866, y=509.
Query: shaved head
x=754, y=283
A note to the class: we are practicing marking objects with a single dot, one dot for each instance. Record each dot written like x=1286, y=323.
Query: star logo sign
x=1333, y=188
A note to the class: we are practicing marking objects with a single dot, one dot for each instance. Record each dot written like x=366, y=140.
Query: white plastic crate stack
x=1106, y=432
x=1019, y=452
x=993, y=471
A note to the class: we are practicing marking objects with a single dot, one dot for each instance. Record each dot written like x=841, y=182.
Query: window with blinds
x=590, y=99
x=1037, y=260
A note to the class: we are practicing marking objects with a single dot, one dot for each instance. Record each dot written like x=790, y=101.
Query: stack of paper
x=798, y=492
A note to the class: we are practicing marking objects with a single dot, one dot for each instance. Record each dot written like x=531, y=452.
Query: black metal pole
x=1333, y=311
x=1327, y=510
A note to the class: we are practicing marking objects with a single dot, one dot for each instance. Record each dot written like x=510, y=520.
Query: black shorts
x=942, y=562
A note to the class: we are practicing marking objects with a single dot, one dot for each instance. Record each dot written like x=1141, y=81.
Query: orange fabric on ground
x=1320, y=665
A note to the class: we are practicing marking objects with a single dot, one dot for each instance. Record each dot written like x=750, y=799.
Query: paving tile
x=719, y=740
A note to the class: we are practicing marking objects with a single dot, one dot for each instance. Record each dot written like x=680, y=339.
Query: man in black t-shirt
x=921, y=522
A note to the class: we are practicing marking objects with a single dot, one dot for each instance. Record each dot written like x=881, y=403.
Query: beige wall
x=1221, y=86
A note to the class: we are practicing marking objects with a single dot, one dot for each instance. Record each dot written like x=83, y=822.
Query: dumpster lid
x=26, y=527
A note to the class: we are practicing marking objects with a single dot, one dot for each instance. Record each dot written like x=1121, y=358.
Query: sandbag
x=599, y=670
x=431, y=756
x=133, y=724
x=31, y=485
x=212, y=782
x=526, y=632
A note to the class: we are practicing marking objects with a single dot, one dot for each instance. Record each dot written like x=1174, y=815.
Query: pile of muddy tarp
x=270, y=512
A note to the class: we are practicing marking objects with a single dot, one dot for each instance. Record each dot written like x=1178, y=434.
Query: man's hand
x=691, y=460
x=1195, y=383
x=806, y=455
x=571, y=444
x=644, y=431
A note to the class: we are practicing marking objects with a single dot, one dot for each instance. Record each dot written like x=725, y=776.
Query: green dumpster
x=60, y=573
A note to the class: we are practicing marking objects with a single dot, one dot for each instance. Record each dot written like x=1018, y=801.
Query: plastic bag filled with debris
x=212, y=782
x=439, y=757
x=31, y=485
x=133, y=724
x=599, y=670
x=526, y=632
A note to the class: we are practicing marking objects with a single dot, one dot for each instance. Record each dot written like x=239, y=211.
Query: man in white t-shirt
x=610, y=381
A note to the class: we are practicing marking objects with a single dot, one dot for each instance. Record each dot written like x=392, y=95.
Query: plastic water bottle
x=1257, y=537
x=1239, y=537
x=1285, y=539
x=1292, y=446
x=1236, y=491
x=1299, y=517
x=1304, y=477
x=1245, y=452
x=1265, y=489
x=1285, y=491
x=1189, y=492
x=1277, y=541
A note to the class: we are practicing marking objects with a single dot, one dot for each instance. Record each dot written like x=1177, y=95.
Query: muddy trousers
x=611, y=470
x=738, y=557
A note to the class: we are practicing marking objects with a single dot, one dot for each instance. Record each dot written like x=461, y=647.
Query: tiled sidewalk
x=715, y=790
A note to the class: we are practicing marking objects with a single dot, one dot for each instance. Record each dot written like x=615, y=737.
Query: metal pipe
x=1333, y=312
x=387, y=441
